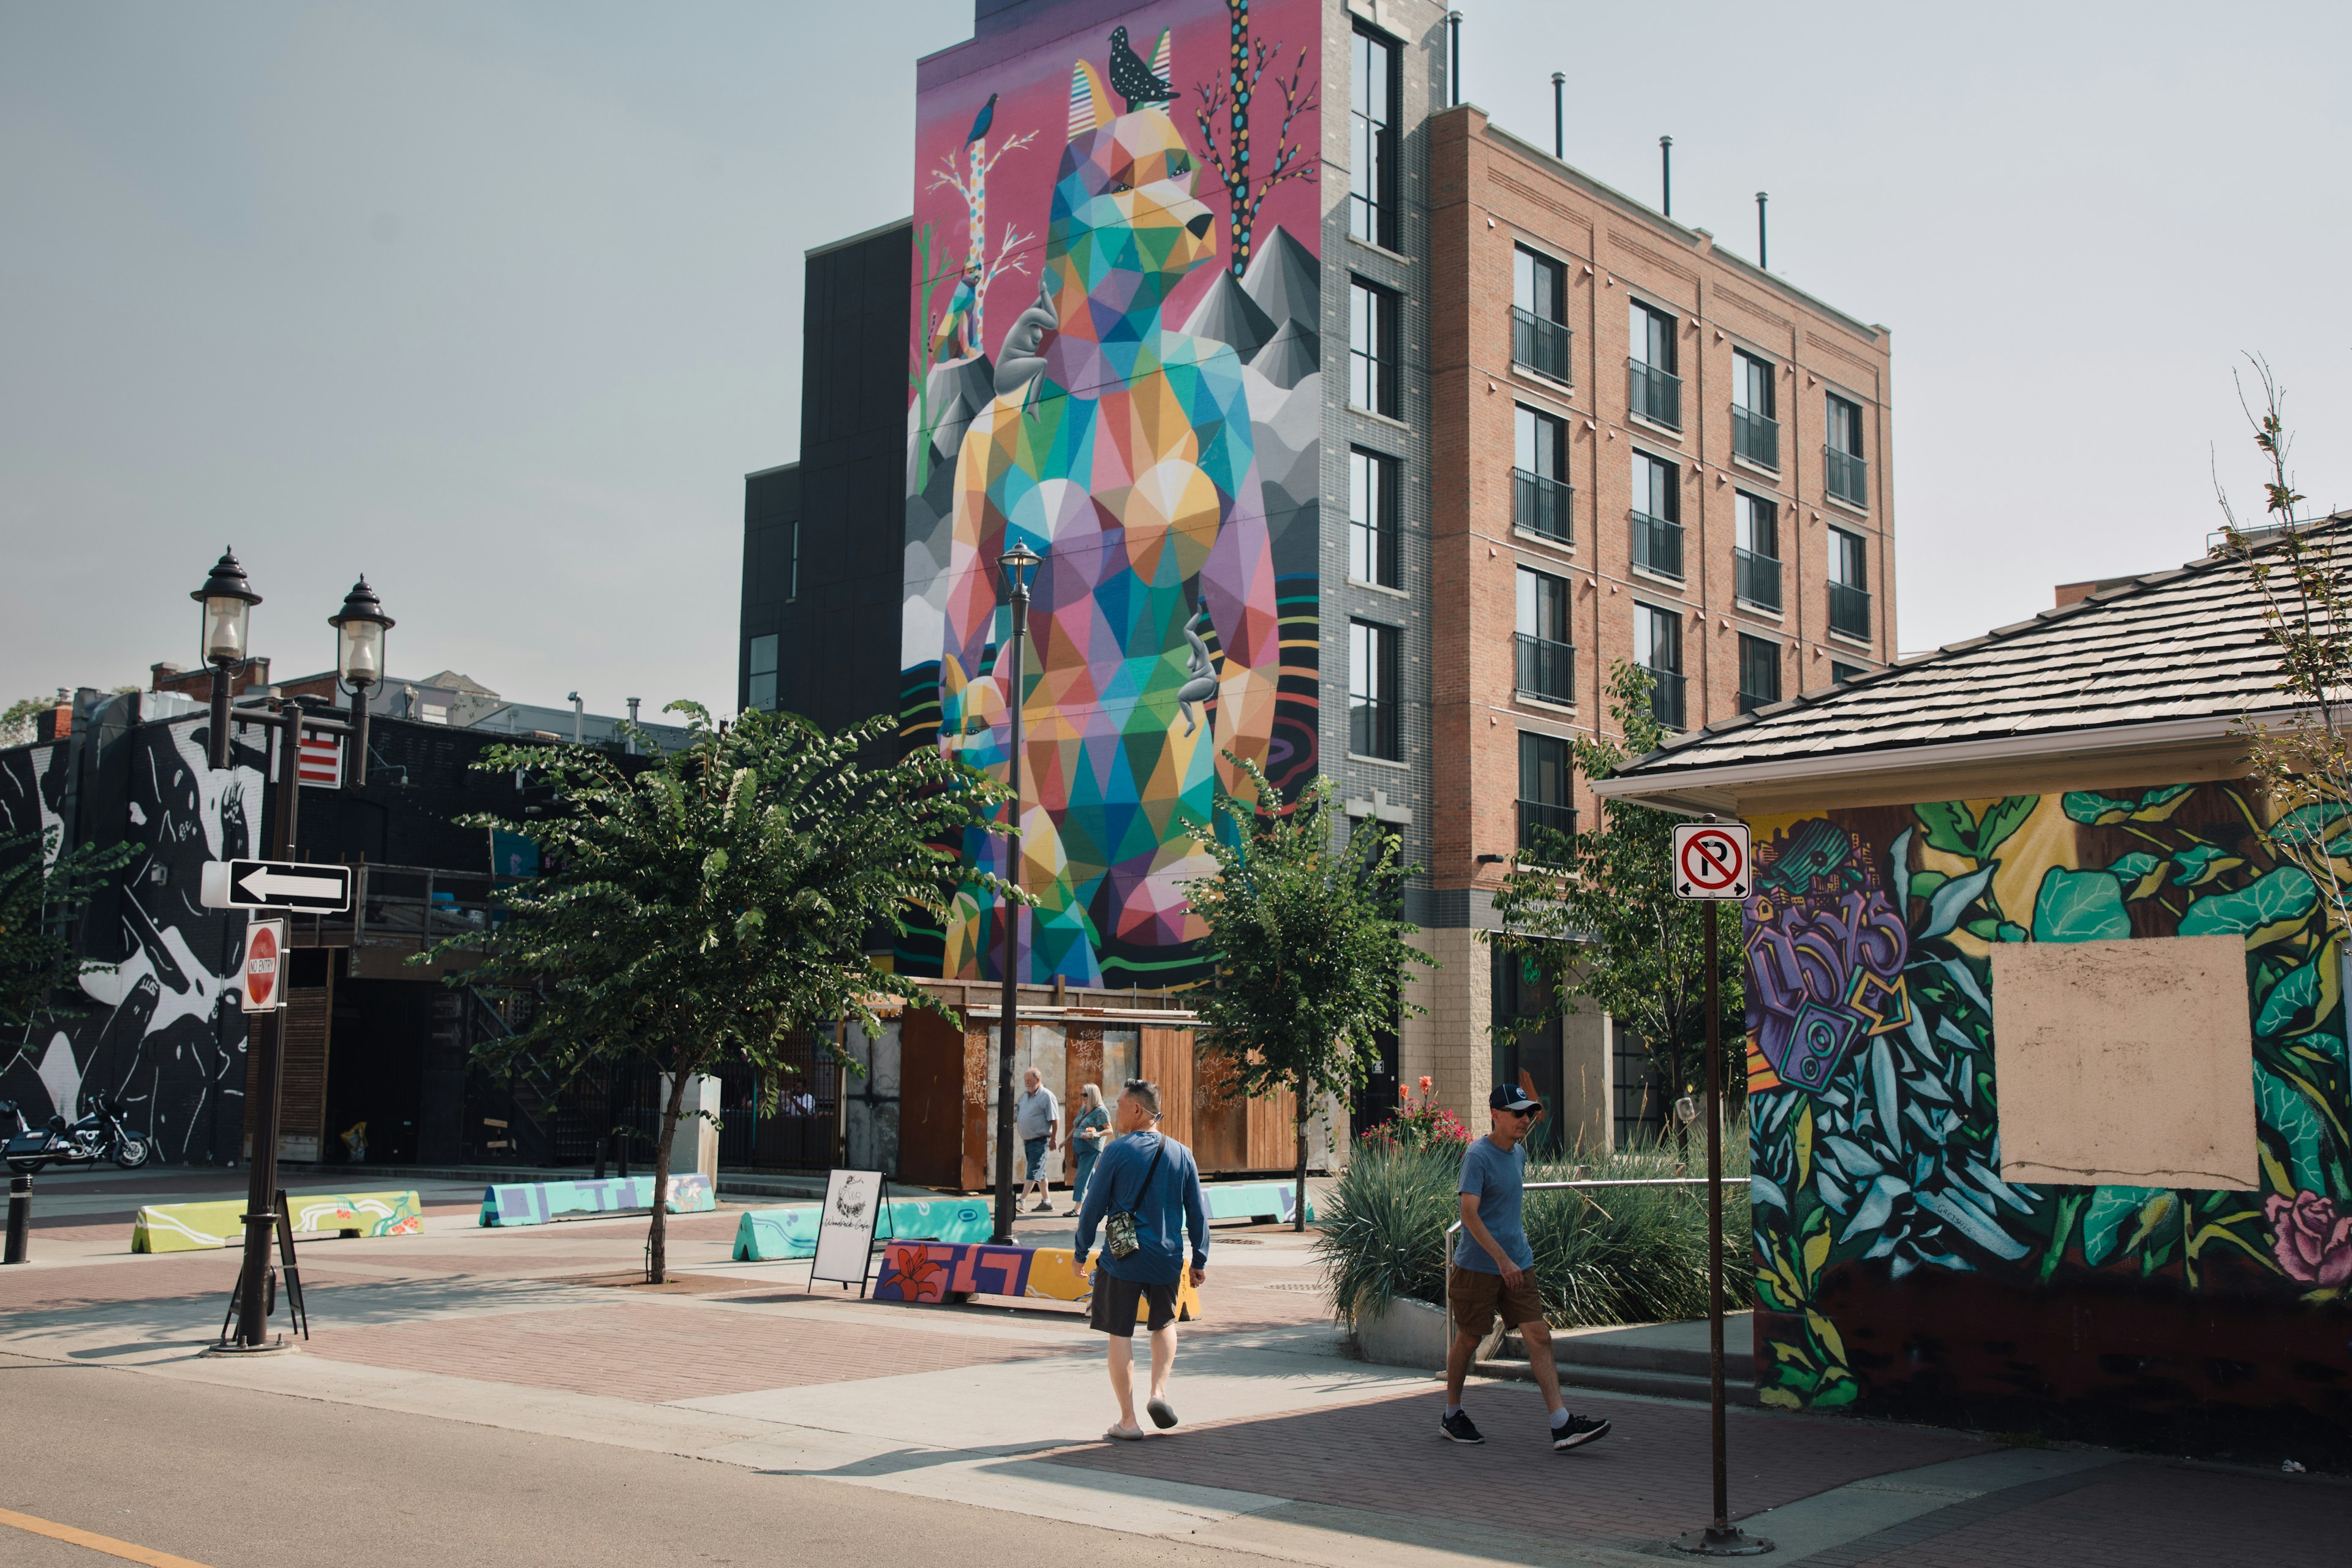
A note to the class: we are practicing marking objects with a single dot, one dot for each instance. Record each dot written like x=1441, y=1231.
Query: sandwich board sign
x=844, y=1227
x=263, y=972
x=1710, y=860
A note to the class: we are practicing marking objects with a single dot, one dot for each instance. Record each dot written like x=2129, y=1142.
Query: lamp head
x=1019, y=566
x=227, y=599
x=359, y=628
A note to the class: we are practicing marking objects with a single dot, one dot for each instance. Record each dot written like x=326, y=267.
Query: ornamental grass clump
x=1603, y=1256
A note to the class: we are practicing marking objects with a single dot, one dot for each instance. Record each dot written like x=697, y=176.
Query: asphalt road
x=231, y=1479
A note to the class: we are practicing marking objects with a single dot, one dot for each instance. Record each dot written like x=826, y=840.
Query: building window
x=1760, y=673
x=1372, y=518
x=1653, y=390
x=1539, y=315
x=1845, y=672
x=1849, y=574
x=1372, y=679
x=1844, y=474
x=793, y=571
x=1371, y=348
x=1540, y=491
x=1545, y=802
x=1657, y=515
x=1546, y=664
x=760, y=688
x=1658, y=648
x=1754, y=431
x=1755, y=550
x=1372, y=118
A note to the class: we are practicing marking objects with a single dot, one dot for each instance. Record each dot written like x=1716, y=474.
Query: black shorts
x=1113, y=1311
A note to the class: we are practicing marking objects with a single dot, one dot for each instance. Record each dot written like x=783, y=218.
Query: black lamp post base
x=271, y=1346
x=1729, y=1541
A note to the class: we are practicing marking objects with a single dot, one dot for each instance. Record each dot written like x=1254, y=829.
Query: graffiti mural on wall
x=152, y=1029
x=1148, y=423
x=1874, y=1102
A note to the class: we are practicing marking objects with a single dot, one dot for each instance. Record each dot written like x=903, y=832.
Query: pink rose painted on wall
x=2312, y=1241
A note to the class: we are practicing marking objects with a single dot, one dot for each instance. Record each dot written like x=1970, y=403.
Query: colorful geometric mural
x=1148, y=424
x=939, y=1271
x=1896, y=1272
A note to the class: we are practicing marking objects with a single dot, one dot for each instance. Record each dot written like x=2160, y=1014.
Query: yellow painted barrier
x=195, y=1227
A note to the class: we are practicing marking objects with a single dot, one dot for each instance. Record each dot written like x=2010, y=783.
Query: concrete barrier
x=1412, y=1333
x=541, y=1203
x=765, y=1234
x=195, y=1227
x=940, y=1271
x=1254, y=1200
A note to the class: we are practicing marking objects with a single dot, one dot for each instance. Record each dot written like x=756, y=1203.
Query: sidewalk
x=1288, y=1448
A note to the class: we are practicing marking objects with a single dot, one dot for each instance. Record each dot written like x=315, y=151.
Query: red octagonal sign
x=265, y=957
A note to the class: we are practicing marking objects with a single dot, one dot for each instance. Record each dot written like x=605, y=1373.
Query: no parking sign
x=1711, y=860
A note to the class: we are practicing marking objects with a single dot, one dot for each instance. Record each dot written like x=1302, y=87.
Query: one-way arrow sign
x=276, y=885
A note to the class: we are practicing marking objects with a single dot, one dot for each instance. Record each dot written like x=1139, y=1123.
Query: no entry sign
x=1711, y=860
x=265, y=965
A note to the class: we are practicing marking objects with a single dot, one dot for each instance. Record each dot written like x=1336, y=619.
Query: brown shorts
x=1477, y=1298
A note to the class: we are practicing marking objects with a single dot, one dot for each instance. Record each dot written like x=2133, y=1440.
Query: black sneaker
x=1459, y=1428
x=1577, y=1431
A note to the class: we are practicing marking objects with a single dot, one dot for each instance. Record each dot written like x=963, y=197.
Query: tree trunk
x=658, y=1237
x=1305, y=1108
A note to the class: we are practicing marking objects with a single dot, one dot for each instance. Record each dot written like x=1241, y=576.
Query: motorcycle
x=102, y=1134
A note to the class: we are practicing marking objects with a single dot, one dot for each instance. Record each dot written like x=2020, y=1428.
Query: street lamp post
x=227, y=600
x=1019, y=566
x=359, y=664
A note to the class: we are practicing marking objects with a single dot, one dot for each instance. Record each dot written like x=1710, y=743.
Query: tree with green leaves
x=42, y=890
x=1311, y=952
x=702, y=905
x=1595, y=915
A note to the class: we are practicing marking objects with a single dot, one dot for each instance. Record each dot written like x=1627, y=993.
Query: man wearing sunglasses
x=1492, y=1271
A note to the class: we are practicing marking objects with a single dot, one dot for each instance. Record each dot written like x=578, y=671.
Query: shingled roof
x=2166, y=650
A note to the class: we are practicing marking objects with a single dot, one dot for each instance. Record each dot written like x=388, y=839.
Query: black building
x=824, y=563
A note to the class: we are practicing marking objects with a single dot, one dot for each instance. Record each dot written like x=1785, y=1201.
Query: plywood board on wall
x=1167, y=1062
x=2125, y=1063
x=930, y=1100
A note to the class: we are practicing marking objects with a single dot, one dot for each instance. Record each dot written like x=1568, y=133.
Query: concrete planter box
x=1412, y=1333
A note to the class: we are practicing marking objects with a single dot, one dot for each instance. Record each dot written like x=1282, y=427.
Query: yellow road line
x=106, y=1544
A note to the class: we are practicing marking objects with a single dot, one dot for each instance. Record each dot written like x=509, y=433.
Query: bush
x=1421, y=1124
x=1604, y=1256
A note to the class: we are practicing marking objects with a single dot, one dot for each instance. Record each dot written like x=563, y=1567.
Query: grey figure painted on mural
x=1200, y=683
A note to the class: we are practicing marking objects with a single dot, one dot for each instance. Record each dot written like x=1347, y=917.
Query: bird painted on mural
x=983, y=120
x=1133, y=79
x=955, y=324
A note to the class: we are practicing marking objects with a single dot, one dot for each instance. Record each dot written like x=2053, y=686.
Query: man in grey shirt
x=1037, y=1117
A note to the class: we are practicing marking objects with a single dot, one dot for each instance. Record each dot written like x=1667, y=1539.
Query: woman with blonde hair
x=1089, y=1130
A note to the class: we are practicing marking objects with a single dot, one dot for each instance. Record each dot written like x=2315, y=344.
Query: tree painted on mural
x=963, y=324
x=1253, y=67
x=1873, y=1106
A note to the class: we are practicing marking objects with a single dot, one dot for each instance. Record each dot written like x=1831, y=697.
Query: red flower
x=2312, y=1241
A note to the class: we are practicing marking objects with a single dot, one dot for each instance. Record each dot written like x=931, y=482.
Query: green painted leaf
x=2289, y=1003
x=1953, y=898
x=2001, y=819
x=2097, y=810
x=2285, y=1110
x=2307, y=825
x=2133, y=867
x=1949, y=826
x=2110, y=1206
x=1925, y=883
x=2201, y=863
x=2011, y=931
x=2079, y=906
x=2280, y=895
x=2156, y=804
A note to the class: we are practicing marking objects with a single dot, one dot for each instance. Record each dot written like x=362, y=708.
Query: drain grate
x=1295, y=1288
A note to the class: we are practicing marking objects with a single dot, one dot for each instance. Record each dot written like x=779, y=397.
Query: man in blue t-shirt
x=1492, y=1271
x=1143, y=1173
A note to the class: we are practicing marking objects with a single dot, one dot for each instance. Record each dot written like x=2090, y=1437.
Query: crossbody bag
x=1119, y=1229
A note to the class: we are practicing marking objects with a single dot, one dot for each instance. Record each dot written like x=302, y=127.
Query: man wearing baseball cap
x=1491, y=1271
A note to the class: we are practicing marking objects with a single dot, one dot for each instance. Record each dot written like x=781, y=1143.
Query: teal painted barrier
x=764, y=1234
x=538, y=1202
x=1254, y=1200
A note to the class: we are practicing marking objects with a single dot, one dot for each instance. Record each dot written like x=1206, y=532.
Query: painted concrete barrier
x=539, y=1203
x=1254, y=1200
x=939, y=1271
x=762, y=1236
x=193, y=1227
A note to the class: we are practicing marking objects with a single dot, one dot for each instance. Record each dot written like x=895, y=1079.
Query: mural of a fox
x=1127, y=465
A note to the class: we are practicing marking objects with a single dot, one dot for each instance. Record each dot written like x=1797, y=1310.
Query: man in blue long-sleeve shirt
x=1145, y=1172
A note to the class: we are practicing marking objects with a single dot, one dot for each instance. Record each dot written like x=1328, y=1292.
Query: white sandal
x=1125, y=1433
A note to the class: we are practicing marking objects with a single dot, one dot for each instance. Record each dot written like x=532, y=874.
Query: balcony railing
x=1756, y=439
x=1653, y=395
x=1666, y=697
x=1657, y=545
x=1547, y=669
x=1537, y=815
x=1539, y=344
x=1756, y=578
x=1845, y=475
x=1539, y=505
x=1849, y=610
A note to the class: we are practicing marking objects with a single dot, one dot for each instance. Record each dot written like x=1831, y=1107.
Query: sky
x=499, y=302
